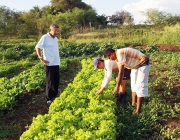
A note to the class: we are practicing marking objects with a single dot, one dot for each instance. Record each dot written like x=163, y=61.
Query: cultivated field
x=78, y=113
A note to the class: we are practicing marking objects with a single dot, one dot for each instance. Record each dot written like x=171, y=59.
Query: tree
x=102, y=20
x=153, y=16
x=9, y=21
x=121, y=18
x=46, y=10
x=65, y=5
x=172, y=19
x=66, y=22
x=30, y=22
x=14, y=23
x=5, y=14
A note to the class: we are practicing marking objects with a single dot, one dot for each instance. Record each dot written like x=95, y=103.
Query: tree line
x=73, y=16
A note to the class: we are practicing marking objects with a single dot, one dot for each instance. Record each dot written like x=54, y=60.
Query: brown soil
x=167, y=47
x=173, y=123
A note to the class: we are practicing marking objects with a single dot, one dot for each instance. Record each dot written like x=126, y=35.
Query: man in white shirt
x=51, y=60
x=110, y=67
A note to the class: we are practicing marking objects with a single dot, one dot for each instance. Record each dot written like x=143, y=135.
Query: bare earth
x=167, y=47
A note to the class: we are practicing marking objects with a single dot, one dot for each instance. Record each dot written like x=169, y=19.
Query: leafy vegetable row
x=13, y=68
x=27, y=81
x=16, y=51
x=78, y=114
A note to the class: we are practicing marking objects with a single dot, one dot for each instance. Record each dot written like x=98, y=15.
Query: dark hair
x=108, y=52
x=54, y=26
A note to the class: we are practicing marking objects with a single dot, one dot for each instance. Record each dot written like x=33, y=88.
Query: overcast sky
x=107, y=7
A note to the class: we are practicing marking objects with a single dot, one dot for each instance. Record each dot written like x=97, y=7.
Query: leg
x=142, y=86
x=56, y=80
x=48, y=83
x=126, y=77
x=52, y=82
x=133, y=86
x=139, y=104
x=134, y=98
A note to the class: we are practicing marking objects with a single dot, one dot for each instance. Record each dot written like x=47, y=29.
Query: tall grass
x=171, y=34
x=145, y=35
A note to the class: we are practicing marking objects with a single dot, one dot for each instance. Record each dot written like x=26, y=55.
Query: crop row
x=164, y=93
x=67, y=114
x=15, y=52
x=78, y=113
x=12, y=68
x=29, y=80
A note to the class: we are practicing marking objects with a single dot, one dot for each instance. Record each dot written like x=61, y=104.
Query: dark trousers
x=52, y=81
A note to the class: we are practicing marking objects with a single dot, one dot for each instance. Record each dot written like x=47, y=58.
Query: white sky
x=107, y=7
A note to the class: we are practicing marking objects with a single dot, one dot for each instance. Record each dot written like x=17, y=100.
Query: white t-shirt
x=50, y=48
x=109, y=65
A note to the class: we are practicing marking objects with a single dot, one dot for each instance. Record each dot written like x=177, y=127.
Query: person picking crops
x=139, y=64
x=110, y=67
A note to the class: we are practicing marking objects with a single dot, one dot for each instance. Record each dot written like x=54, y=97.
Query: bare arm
x=119, y=78
x=38, y=51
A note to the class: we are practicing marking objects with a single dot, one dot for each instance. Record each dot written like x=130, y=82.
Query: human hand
x=116, y=90
x=45, y=62
x=98, y=92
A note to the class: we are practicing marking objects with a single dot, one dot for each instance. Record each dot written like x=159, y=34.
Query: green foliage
x=10, y=20
x=172, y=19
x=79, y=115
x=141, y=49
x=83, y=115
x=11, y=54
x=68, y=5
x=10, y=69
x=72, y=49
x=154, y=16
x=76, y=17
x=16, y=51
x=157, y=18
x=120, y=18
x=36, y=21
x=70, y=21
x=27, y=81
x=140, y=35
x=151, y=48
x=66, y=22
x=170, y=34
